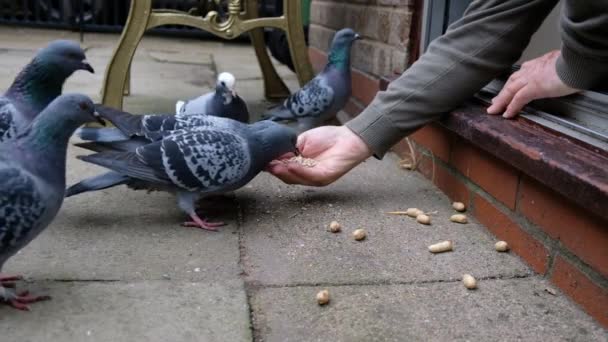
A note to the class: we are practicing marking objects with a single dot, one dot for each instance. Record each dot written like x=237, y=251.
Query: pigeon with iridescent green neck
x=32, y=181
x=326, y=94
x=39, y=83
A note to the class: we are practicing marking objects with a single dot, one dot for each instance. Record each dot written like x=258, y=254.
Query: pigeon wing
x=21, y=207
x=7, y=125
x=205, y=160
x=312, y=100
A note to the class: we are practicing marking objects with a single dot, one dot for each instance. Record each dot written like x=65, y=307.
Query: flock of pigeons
x=208, y=147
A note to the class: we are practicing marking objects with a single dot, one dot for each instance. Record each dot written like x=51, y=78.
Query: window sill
x=574, y=170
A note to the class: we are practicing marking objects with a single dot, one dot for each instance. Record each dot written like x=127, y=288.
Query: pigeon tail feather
x=103, y=181
x=97, y=134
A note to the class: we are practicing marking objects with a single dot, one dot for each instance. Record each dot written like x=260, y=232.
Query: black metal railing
x=88, y=15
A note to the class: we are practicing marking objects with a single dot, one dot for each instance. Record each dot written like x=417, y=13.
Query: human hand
x=336, y=149
x=537, y=79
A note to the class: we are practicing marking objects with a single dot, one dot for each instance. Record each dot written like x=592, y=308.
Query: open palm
x=335, y=149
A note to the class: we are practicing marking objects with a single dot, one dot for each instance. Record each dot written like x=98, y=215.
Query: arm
x=487, y=40
x=581, y=64
x=584, y=54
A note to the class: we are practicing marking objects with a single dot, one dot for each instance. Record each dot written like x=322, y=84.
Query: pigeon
x=147, y=128
x=194, y=162
x=39, y=83
x=223, y=102
x=326, y=94
x=32, y=181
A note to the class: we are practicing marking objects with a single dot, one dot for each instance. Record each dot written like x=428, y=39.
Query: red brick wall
x=557, y=238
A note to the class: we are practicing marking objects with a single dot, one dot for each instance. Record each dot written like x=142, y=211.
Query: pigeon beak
x=358, y=36
x=98, y=118
x=86, y=66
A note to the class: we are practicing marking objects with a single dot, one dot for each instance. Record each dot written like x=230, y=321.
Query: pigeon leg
x=19, y=301
x=186, y=202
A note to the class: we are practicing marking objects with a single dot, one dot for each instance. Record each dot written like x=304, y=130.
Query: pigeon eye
x=83, y=106
x=223, y=83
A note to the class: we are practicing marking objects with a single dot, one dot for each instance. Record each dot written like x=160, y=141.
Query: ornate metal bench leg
x=117, y=72
x=274, y=87
x=297, y=43
x=127, y=87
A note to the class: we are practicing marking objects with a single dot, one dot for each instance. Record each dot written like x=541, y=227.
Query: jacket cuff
x=578, y=71
x=376, y=130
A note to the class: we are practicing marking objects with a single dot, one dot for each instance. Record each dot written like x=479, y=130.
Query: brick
x=318, y=59
x=455, y=189
x=592, y=297
x=365, y=87
x=521, y=242
x=435, y=139
x=320, y=37
x=493, y=175
x=579, y=231
x=353, y=107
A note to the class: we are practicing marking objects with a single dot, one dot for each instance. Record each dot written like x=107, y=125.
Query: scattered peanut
x=397, y=212
x=469, y=281
x=444, y=246
x=414, y=212
x=359, y=234
x=501, y=246
x=335, y=227
x=424, y=219
x=459, y=218
x=458, y=206
x=323, y=297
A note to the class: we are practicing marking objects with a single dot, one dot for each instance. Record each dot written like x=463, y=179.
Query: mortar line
x=257, y=285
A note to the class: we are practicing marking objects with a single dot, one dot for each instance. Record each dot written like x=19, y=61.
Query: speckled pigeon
x=32, y=181
x=134, y=129
x=223, y=102
x=194, y=162
x=39, y=83
x=326, y=94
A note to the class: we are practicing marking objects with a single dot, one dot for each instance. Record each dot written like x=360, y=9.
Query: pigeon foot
x=197, y=222
x=10, y=297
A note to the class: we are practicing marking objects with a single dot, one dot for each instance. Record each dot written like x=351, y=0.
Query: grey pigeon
x=326, y=94
x=194, y=162
x=32, y=181
x=133, y=129
x=223, y=102
x=39, y=83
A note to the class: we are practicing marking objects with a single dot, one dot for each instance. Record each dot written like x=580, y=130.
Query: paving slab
x=499, y=310
x=129, y=235
x=131, y=311
x=286, y=240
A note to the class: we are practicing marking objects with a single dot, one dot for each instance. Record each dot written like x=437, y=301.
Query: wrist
x=358, y=145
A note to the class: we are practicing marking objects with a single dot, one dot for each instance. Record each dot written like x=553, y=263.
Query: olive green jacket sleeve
x=583, y=63
x=487, y=40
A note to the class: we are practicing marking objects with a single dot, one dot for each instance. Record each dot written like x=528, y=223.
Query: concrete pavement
x=120, y=268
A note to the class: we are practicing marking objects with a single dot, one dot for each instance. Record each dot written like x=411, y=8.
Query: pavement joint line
x=240, y=219
x=258, y=285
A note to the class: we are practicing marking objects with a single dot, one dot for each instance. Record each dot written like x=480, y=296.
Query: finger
x=522, y=98
x=505, y=96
